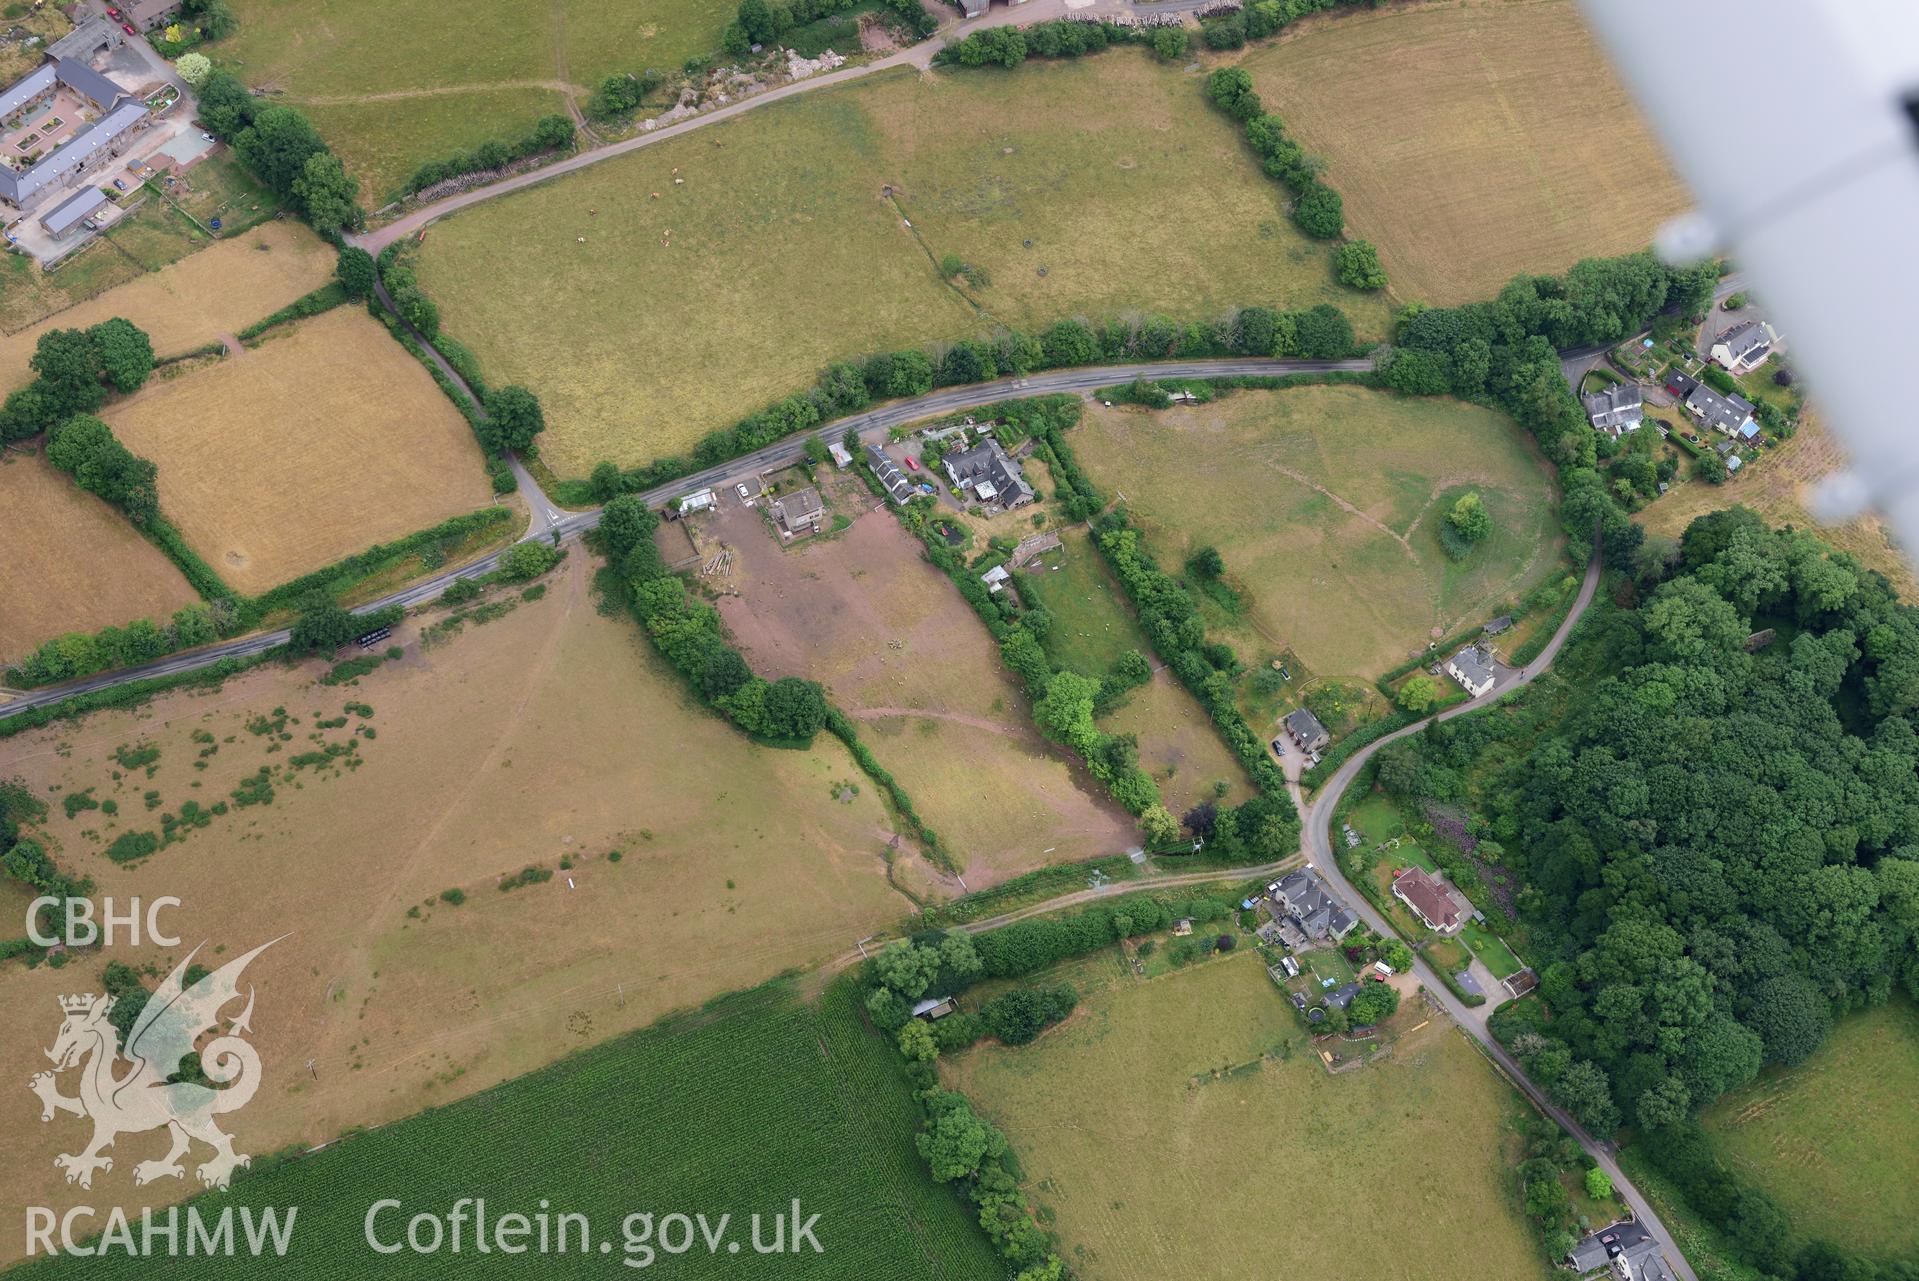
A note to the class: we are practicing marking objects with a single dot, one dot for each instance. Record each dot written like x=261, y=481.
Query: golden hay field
x=1472, y=141
x=551, y=733
x=72, y=563
x=324, y=440
x=190, y=303
x=772, y=249
x=1776, y=487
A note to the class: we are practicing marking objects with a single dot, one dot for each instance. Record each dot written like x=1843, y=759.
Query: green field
x=1091, y=628
x=645, y=323
x=1325, y=503
x=737, y=1108
x=392, y=86
x=1836, y=1133
x=1182, y=1126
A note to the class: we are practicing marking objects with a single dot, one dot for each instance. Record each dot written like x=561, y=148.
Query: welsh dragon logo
x=148, y=1096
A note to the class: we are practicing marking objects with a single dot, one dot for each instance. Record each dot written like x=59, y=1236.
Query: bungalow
x=1744, y=347
x=1472, y=667
x=1316, y=914
x=1306, y=730
x=1432, y=900
x=798, y=513
x=889, y=475
x=985, y=474
x=1730, y=415
x=1616, y=409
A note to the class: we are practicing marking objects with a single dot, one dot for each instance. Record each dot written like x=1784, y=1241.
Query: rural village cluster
x=853, y=638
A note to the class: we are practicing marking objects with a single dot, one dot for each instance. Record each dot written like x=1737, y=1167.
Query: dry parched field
x=1324, y=502
x=1835, y=1133
x=550, y=733
x=325, y=440
x=190, y=303
x=898, y=649
x=1472, y=141
x=1163, y=1119
x=779, y=214
x=72, y=563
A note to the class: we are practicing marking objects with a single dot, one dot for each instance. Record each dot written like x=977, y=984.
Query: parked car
x=128, y=28
x=113, y=13
x=744, y=495
x=912, y=464
x=209, y=137
x=118, y=185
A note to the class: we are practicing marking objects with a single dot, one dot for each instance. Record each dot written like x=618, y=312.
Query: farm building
x=1503, y=623
x=1306, y=730
x=701, y=501
x=1472, y=667
x=987, y=475
x=798, y=513
x=64, y=219
x=889, y=475
x=1744, y=347
x=934, y=1007
x=1433, y=900
x=64, y=120
x=1615, y=410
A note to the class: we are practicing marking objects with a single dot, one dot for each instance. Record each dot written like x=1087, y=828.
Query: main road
x=871, y=425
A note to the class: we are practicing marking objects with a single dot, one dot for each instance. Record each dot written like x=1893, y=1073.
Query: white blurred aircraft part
x=1796, y=123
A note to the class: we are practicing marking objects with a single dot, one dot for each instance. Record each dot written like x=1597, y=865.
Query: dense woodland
x=1719, y=849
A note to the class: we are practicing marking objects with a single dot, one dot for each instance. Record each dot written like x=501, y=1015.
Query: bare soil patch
x=325, y=440
x=864, y=614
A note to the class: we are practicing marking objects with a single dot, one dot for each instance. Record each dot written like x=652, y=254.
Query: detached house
x=1432, y=900
x=1306, y=729
x=1472, y=667
x=988, y=476
x=1744, y=347
x=1730, y=415
x=1615, y=410
x=798, y=513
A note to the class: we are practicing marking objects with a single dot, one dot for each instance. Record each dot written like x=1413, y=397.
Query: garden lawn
x=1159, y=1123
x=1491, y=949
x=1472, y=141
x=392, y=87
x=1325, y=502
x=1092, y=628
x=781, y=214
x=1835, y=1133
x=737, y=1108
x=326, y=439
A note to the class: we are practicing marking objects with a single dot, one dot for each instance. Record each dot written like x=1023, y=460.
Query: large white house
x=1744, y=347
x=1472, y=667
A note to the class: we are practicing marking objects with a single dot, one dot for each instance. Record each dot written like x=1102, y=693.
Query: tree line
x=283, y=149
x=554, y=132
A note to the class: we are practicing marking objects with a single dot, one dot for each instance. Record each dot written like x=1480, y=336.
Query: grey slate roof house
x=1728, y=414
x=799, y=512
x=1744, y=347
x=63, y=219
x=987, y=475
x=1315, y=913
x=1306, y=730
x=889, y=475
x=1616, y=409
x=1343, y=996
x=1472, y=667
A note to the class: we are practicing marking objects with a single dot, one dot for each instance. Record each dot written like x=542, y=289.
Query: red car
x=913, y=464
x=113, y=13
x=128, y=28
